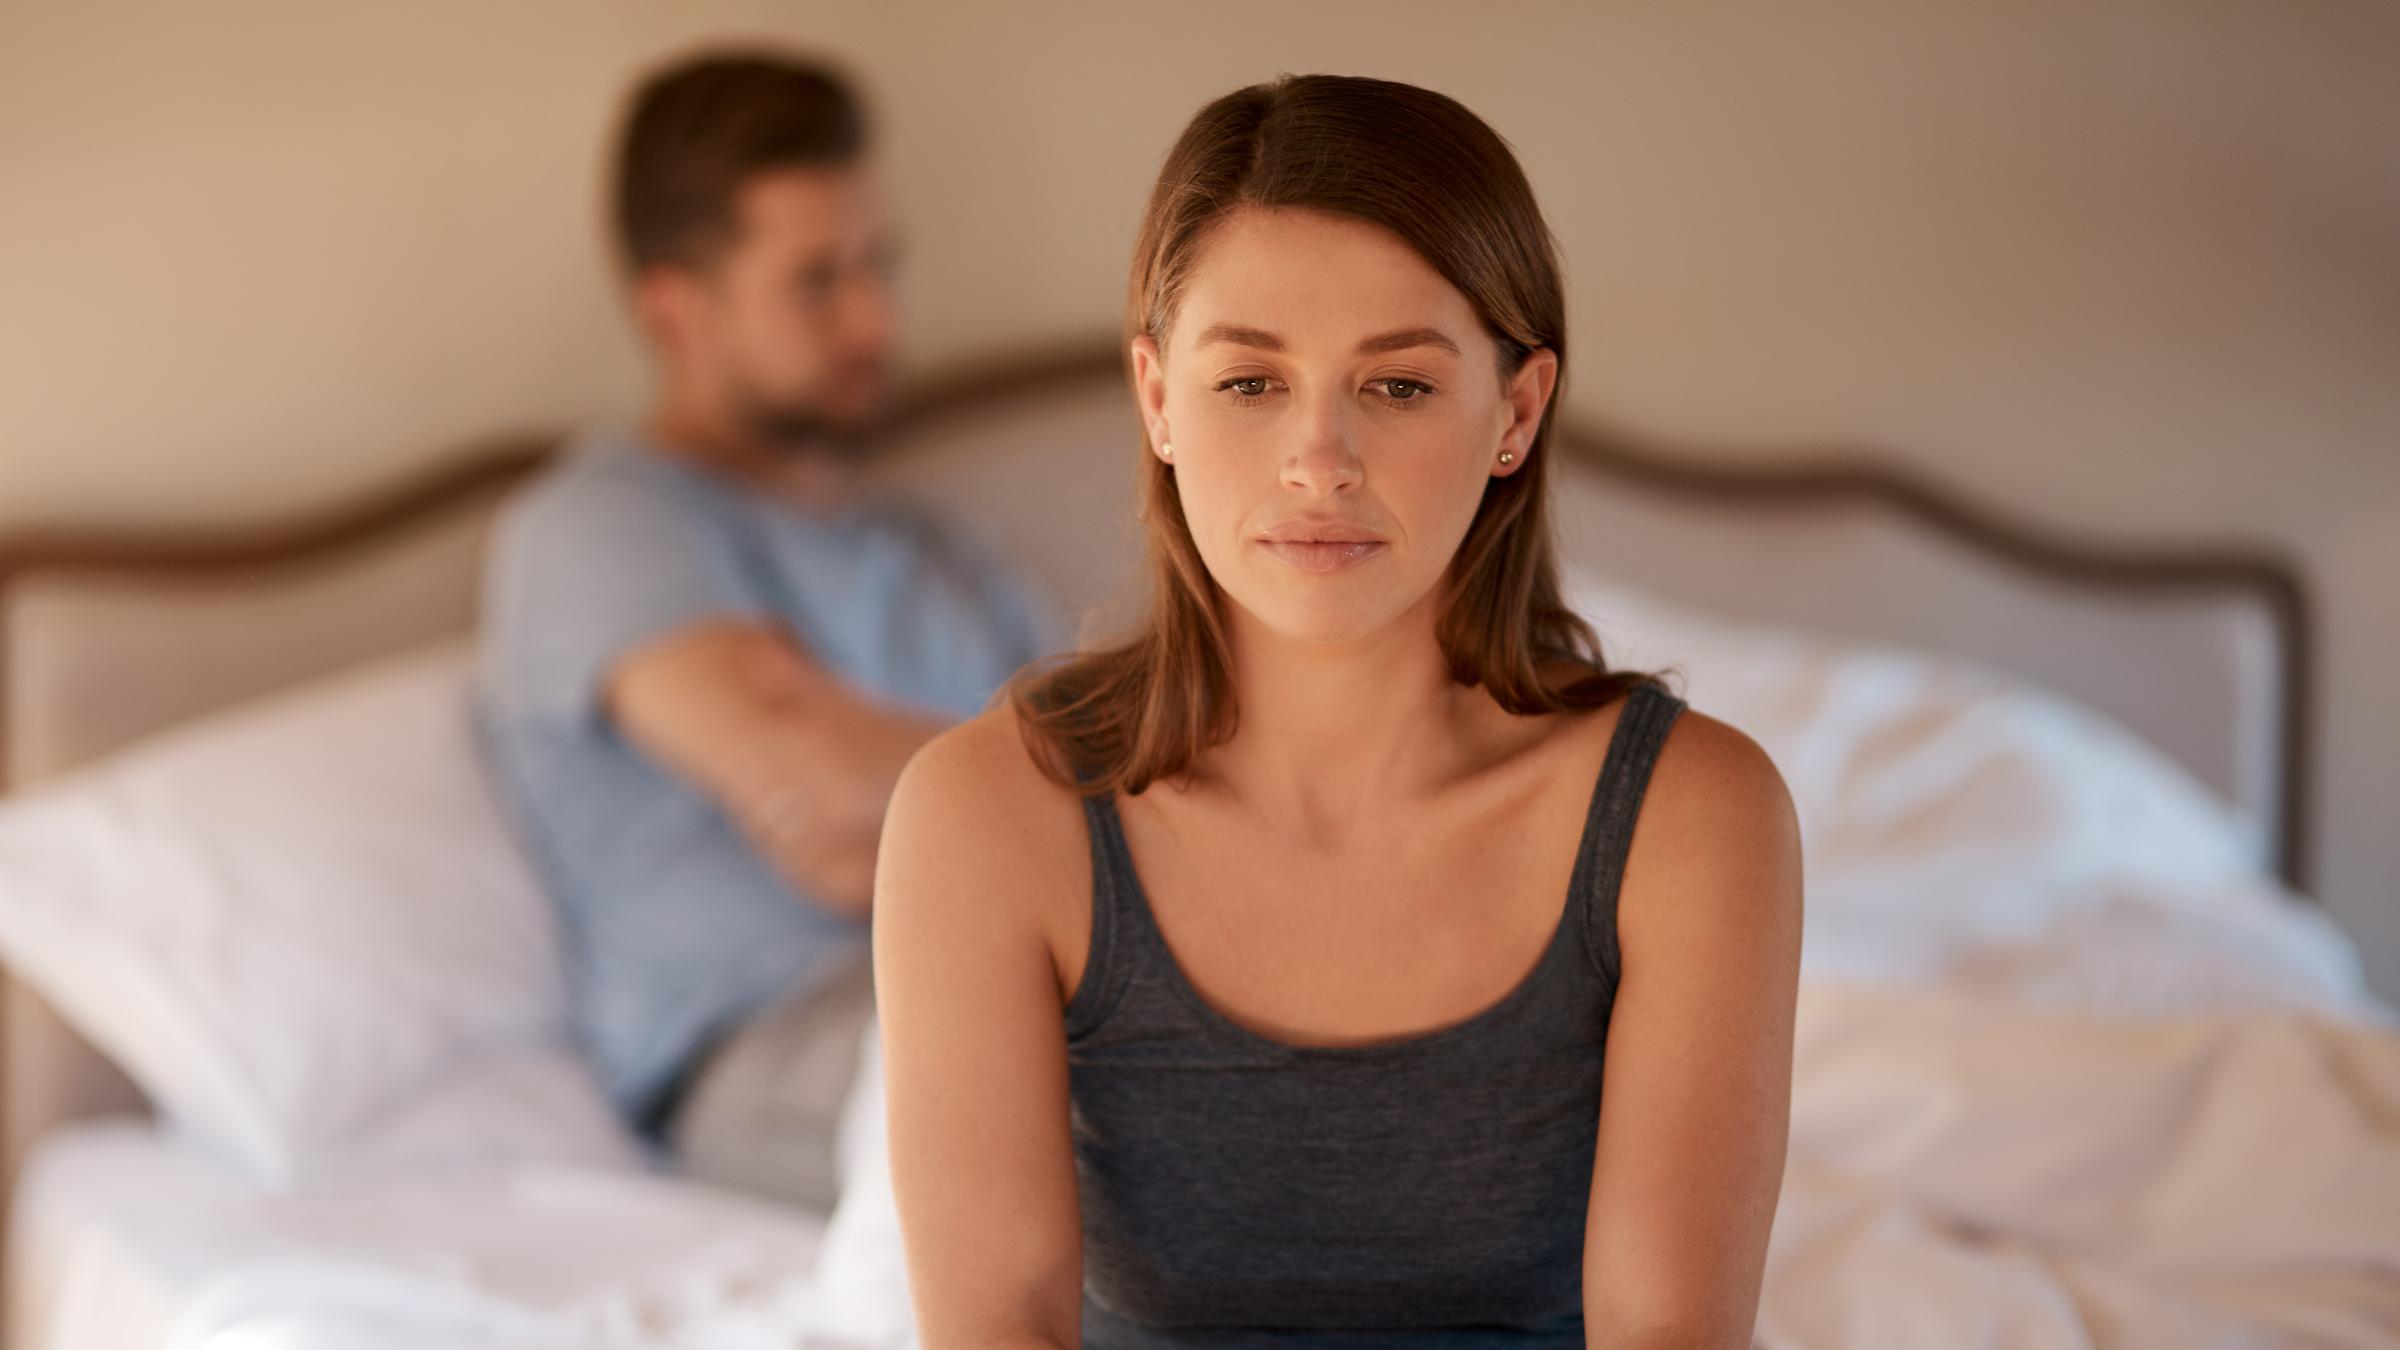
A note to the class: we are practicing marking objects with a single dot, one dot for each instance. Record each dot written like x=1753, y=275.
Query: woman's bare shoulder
x=1717, y=835
x=980, y=778
x=1714, y=768
x=974, y=811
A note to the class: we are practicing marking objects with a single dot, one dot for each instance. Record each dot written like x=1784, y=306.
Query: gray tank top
x=1427, y=1191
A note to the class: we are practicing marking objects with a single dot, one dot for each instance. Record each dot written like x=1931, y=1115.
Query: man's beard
x=800, y=431
x=794, y=428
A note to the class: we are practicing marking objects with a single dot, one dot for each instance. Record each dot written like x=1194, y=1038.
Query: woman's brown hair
x=1420, y=165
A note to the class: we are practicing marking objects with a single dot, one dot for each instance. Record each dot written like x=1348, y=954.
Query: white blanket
x=1965, y=1168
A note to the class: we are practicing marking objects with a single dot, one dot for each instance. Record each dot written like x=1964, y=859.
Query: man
x=707, y=653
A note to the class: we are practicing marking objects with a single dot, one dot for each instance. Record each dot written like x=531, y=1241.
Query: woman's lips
x=1323, y=555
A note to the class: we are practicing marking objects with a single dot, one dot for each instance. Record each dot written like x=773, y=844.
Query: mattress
x=126, y=1237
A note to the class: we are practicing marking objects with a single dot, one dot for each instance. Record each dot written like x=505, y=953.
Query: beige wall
x=2133, y=274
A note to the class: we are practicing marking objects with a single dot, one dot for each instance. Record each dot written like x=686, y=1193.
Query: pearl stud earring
x=1508, y=456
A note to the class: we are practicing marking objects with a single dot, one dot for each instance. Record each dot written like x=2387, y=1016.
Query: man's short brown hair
x=697, y=130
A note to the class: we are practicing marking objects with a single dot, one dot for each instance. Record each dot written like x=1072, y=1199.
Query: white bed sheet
x=126, y=1237
x=1966, y=1168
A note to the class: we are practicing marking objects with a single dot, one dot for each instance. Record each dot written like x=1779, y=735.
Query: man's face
x=786, y=333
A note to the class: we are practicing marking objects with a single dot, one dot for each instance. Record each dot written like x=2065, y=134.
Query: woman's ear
x=1528, y=398
x=1150, y=391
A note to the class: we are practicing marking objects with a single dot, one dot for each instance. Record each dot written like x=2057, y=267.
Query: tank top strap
x=1641, y=731
x=1119, y=918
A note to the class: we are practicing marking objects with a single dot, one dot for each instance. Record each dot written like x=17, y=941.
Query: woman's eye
x=1403, y=391
x=1246, y=388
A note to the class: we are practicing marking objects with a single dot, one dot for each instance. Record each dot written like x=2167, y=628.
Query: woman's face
x=1334, y=409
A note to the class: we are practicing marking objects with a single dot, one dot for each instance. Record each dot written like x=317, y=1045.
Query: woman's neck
x=1330, y=732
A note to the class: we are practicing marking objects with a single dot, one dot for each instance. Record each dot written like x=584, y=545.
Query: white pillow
x=1892, y=752
x=1960, y=824
x=302, y=927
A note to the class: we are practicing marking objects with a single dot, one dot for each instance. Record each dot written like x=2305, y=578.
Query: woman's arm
x=1696, y=1094
x=977, y=850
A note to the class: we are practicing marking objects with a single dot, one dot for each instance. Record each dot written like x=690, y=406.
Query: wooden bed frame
x=2206, y=650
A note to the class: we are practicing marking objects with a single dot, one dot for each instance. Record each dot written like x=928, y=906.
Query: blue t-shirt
x=675, y=929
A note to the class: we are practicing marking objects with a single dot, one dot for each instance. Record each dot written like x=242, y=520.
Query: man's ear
x=1150, y=390
x=1528, y=398
x=663, y=301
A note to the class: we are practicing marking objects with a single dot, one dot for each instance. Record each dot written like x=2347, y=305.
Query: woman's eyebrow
x=1406, y=338
x=1242, y=335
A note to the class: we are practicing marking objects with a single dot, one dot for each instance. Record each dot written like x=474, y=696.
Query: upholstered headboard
x=105, y=639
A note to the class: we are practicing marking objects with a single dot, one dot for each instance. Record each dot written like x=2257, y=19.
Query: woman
x=1227, y=995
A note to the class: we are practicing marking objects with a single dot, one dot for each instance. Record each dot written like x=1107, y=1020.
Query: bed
x=2079, y=1062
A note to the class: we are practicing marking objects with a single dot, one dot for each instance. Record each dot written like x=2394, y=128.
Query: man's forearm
x=801, y=762
x=837, y=872
x=816, y=812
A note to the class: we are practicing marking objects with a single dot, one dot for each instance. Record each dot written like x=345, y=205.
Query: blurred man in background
x=707, y=654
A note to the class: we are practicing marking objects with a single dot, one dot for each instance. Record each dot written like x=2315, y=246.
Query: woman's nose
x=1323, y=457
